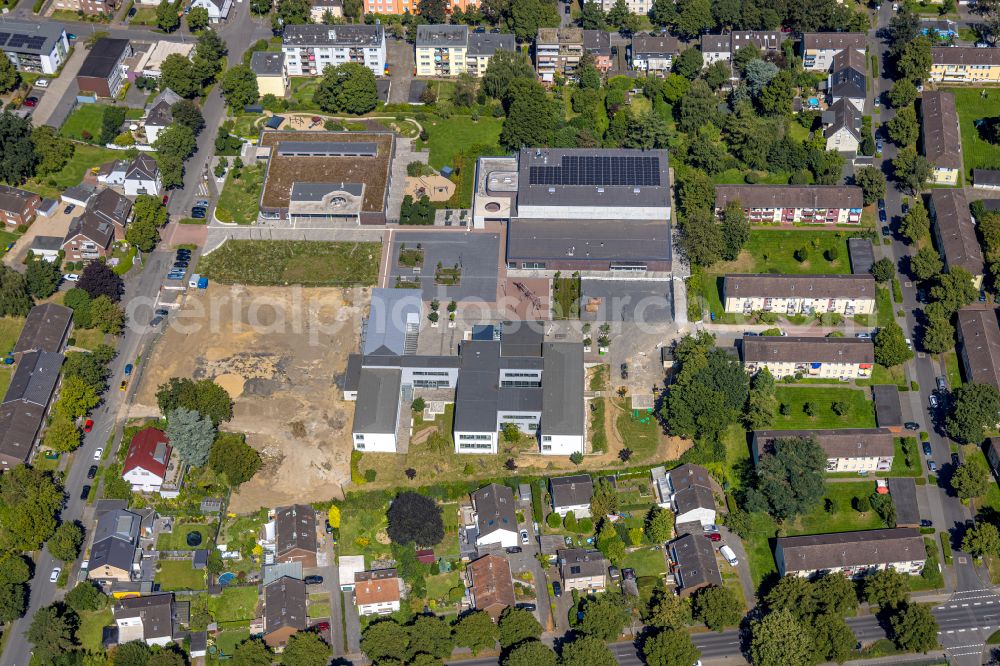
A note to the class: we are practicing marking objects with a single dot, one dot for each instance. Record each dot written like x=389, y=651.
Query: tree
x=701, y=239
x=717, y=607
x=197, y=19
x=306, y=648
x=175, y=141
x=527, y=16
x=166, y=17
x=66, y=541
x=14, y=298
x=890, y=346
x=604, y=501
x=833, y=640
x=698, y=105
x=98, y=279
x=883, y=270
x=434, y=11
x=659, y=525
x=668, y=611
x=530, y=117
x=52, y=150
x=871, y=180
x=42, y=278
x=185, y=112
x=789, y=480
x=239, y=87
x=51, y=633
x=109, y=316
x=62, y=434
x=385, y=640
x=982, y=539
x=735, y=230
x=954, y=290
x=517, y=625
x=191, y=434
x=696, y=192
x=911, y=169
x=171, y=169
x=177, y=73
x=76, y=397
x=663, y=12
x=291, y=12
x=9, y=77
x=834, y=593
x=592, y=17
x=778, y=639
x=761, y=403
x=347, y=88
x=232, y=456
x=605, y=616
x=587, y=651
x=530, y=653
x=914, y=60
x=903, y=93
x=776, y=97
x=887, y=588
x=915, y=226
x=504, y=67
x=939, y=336
x=204, y=396
x=970, y=479
x=86, y=596
x=926, y=263
x=252, y=652
x=18, y=149
x=973, y=411
x=757, y=74
x=688, y=63
x=415, y=518
x=143, y=233
x=903, y=128
x=431, y=634
x=914, y=628
x=693, y=17
x=670, y=647
x=795, y=595
x=476, y=631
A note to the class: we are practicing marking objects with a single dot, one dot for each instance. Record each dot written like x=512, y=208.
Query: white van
x=730, y=556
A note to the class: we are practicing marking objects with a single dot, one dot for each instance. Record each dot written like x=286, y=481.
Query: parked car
x=321, y=627
x=624, y=370
x=886, y=231
x=313, y=580
x=514, y=549
x=921, y=296
x=161, y=312
x=88, y=425
x=879, y=145
x=156, y=321
x=931, y=466
x=123, y=385
x=614, y=573
x=165, y=199
x=955, y=460
x=98, y=453
x=31, y=101
x=926, y=523
x=982, y=296
x=524, y=537
x=71, y=277
x=911, y=425
x=927, y=448
x=69, y=209
x=198, y=213
x=942, y=383
x=730, y=556
x=556, y=589
x=84, y=492
x=882, y=216
x=54, y=576
x=175, y=276
x=878, y=102
x=909, y=343
x=568, y=540
x=201, y=202
x=42, y=83
x=92, y=472
x=864, y=336
x=527, y=607
x=933, y=400
x=713, y=536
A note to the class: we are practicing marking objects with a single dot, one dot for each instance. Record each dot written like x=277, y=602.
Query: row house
x=987, y=179
x=319, y=8
x=693, y=564
x=18, y=206
x=654, y=53
x=799, y=294
x=942, y=138
x=794, y=204
x=723, y=47
x=846, y=449
x=965, y=64
x=310, y=49
x=819, y=48
x=979, y=344
x=854, y=554
x=842, y=127
x=848, y=79
x=410, y=6
x=955, y=232
x=820, y=358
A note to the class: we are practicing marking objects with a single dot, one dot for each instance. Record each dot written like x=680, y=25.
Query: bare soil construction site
x=278, y=352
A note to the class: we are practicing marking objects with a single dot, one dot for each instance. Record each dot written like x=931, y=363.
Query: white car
x=909, y=343
x=524, y=537
x=71, y=277
x=42, y=83
x=98, y=453
x=54, y=576
x=730, y=556
x=864, y=336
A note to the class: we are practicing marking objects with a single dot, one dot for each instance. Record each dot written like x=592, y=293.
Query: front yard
x=240, y=197
x=820, y=401
x=973, y=105
x=309, y=263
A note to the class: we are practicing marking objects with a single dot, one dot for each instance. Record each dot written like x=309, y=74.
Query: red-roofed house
x=146, y=463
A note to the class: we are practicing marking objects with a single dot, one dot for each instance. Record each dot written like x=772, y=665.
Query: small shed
x=211, y=505
x=426, y=556
x=888, y=411
x=274, y=122
x=253, y=108
x=524, y=492
x=200, y=559
x=446, y=171
x=862, y=255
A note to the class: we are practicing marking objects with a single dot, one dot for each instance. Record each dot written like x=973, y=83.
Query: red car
x=321, y=626
x=89, y=425
x=31, y=101
x=165, y=199
x=713, y=536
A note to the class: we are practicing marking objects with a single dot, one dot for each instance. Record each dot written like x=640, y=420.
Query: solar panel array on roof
x=20, y=40
x=327, y=148
x=599, y=170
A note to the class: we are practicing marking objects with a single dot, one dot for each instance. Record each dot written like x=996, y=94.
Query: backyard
x=179, y=575
x=240, y=197
x=235, y=604
x=84, y=158
x=794, y=400
x=843, y=517
x=10, y=329
x=91, y=631
x=309, y=263
x=773, y=251
x=646, y=562
x=976, y=104
x=85, y=118
x=639, y=430
x=448, y=138
x=177, y=539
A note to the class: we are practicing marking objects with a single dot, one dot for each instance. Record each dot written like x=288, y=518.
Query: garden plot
x=281, y=374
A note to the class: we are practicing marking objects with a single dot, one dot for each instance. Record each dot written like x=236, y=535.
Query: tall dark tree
x=531, y=117
x=52, y=633
x=347, y=88
x=973, y=411
x=434, y=11
x=19, y=157
x=788, y=480
x=15, y=301
x=188, y=113
x=415, y=518
x=504, y=67
x=98, y=279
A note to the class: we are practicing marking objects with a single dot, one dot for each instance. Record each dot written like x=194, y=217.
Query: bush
x=370, y=475
x=554, y=521
x=801, y=255
x=861, y=504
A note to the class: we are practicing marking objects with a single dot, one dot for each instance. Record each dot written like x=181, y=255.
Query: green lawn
x=566, y=298
x=319, y=609
x=84, y=158
x=10, y=329
x=899, y=466
x=860, y=414
x=438, y=586
x=738, y=176
x=641, y=437
x=179, y=575
x=239, y=199
x=91, y=629
x=771, y=251
x=87, y=338
x=5, y=374
x=976, y=104
x=448, y=138
x=144, y=16
x=844, y=518
x=309, y=263
x=235, y=603
x=646, y=562
x=952, y=369
x=177, y=539
x=6, y=238
x=86, y=117
x=125, y=259
x=227, y=640
x=883, y=305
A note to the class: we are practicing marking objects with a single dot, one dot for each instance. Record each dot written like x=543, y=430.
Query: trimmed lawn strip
x=228, y=639
x=91, y=631
x=177, y=539
x=952, y=369
x=87, y=338
x=844, y=518
x=179, y=575
x=240, y=197
x=235, y=603
x=319, y=609
x=976, y=104
x=85, y=118
x=861, y=412
x=309, y=263
x=646, y=562
x=771, y=251
x=10, y=330
x=598, y=436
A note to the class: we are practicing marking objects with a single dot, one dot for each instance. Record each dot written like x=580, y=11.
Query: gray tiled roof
x=103, y=57
x=851, y=549
x=644, y=45
x=848, y=78
x=979, y=343
x=477, y=392
x=15, y=32
x=19, y=424
x=494, y=509
x=45, y=327
x=834, y=41
x=35, y=378
x=285, y=605
x=13, y=199
x=965, y=55
x=294, y=527
x=990, y=177
x=799, y=286
x=488, y=43
x=840, y=443
x=571, y=490
x=155, y=611
x=696, y=564
x=955, y=230
x=807, y=350
x=942, y=141
x=375, y=411
x=581, y=563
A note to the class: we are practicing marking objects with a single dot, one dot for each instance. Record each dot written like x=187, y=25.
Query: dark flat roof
x=862, y=255
x=888, y=412
x=103, y=57
x=375, y=411
x=611, y=240
x=903, y=491
x=562, y=384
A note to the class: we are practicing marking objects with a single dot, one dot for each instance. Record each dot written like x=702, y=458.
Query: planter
x=451, y=324
x=602, y=350
x=586, y=349
x=434, y=324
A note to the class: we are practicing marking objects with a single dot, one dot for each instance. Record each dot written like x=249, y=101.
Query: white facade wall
x=579, y=510
x=653, y=64
x=134, y=187
x=635, y=6
x=595, y=212
x=384, y=608
x=820, y=60
x=297, y=58
x=912, y=568
x=803, y=215
x=480, y=443
x=526, y=422
x=505, y=538
x=710, y=57
x=377, y=442
x=859, y=464
x=843, y=141
x=844, y=306
x=824, y=371
x=142, y=480
x=701, y=515
x=560, y=445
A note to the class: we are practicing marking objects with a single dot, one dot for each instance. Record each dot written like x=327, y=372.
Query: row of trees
x=30, y=152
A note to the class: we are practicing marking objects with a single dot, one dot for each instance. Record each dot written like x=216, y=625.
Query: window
x=467, y=437
x=547, y=438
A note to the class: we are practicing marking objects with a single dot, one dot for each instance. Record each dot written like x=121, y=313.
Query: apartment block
x=847, y=449
x=818, y=48
x=965, y=64
x=558, y=51
x=979, y=344
x=654, y=53
x=794, y=204
x=955, y=233
x=32, y=46
x=821, y=358
x=722, y=47
x=103, y=71
x=799, y=294
x=942, y=138
x=310, y=49
x=854, y=554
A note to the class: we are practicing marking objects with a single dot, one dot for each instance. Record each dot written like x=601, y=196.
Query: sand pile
x=232, y=384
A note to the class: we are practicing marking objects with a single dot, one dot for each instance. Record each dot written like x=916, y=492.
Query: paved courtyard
x=476, y=254
x=648, y=301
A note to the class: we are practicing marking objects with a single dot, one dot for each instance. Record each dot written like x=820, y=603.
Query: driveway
x=57, y=225
x=60, y=96
x=399, y=55
x=743, y=567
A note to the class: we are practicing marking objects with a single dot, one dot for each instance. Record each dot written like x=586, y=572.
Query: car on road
x=567, y=10
x=878, y=102
x=982, y=296
x=909, y=343
x=128, y=369
x=161, y=312
x=88, y=425
x=123, y=385
x=933, y=401
x=513, y=550
x=713, y=536
x=624, y=370
x=931, y=466
x=905, y=208
x=92, y=472
x=527, y=607
x=524, y=537
x=54, y=576
x=199, y=213
x=156, y=321
x=911, y=425
x=926, y=523
x=98, y=453
x=31, y=101
x=886, y=231
x=84, y=493
x=71, y=277
x=881, y=204
x=927, y=448
x=942, y=383
x=313, y=580
x=556, y=589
